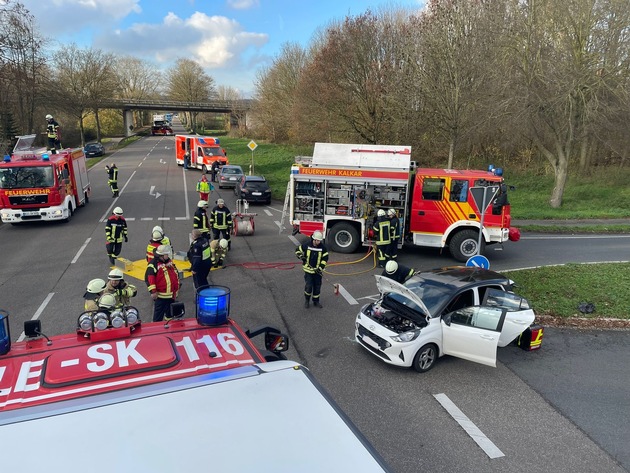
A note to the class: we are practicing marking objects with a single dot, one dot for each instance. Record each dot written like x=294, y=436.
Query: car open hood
x=386, y=285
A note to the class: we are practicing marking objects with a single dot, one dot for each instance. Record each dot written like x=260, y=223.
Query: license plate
x=30, y=214
x=232, y=179
x=256, y=193
x=370, y=342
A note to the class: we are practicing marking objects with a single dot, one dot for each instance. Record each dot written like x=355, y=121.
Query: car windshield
x=434, y=295
x=256, y=185
x=26, y=177
x=231, y=171
x=92, y=146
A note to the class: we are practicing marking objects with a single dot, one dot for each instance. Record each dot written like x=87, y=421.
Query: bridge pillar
x=128, y=122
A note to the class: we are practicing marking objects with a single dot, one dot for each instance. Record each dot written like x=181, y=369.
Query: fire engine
x=187, y=394
x=37, y=185
x=163, y=130
x=340, y=189
x=204, y=151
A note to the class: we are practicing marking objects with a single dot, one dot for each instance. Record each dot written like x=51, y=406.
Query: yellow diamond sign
x=252, y=145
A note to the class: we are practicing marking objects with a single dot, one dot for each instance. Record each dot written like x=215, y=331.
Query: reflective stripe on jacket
x=313, y=257
x=162, y=278
x=220, y=218
x=382, y=231
x=116, y=229
x=200, y=221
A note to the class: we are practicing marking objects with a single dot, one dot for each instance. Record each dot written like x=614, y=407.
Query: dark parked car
x=92, y=150
x=253, y=189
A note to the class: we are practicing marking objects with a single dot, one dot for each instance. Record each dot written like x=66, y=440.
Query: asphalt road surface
x=563, y=408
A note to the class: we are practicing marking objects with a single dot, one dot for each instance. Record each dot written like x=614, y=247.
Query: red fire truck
x=190, y=394
x=340, y=189
x=204, y=151
x=36, y=185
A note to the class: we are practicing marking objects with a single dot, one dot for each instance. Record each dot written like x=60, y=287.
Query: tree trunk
x=560, y=181
x=98, y=125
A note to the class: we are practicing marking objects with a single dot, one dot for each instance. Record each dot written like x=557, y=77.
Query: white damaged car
x=459, y=311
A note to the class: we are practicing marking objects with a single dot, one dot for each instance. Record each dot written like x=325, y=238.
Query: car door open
x=519, y=314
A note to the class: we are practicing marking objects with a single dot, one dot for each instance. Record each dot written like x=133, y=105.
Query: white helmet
x=163, y=250
x=223, y=243
x=95, y=286
x=317, y=235
x=202, y=204
x=115, y=274
x=107, y=301
x=118, y=211
x=391, y=267
x=157, y=235
x=381, y=213
x=49, y=117
x=220, y=202
x=391, y=212
x=157, y=228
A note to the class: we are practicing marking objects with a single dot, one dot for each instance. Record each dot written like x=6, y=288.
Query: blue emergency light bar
x=5, y=334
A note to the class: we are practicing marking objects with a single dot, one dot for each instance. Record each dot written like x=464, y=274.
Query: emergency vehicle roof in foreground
x=183, y=398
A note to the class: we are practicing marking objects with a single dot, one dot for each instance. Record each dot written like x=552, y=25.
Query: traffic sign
x=483, y=195
x=478, y=261
x=252, y=145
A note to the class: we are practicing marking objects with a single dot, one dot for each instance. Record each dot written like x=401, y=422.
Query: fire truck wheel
x=463, y=245
x=343, y=238
x=425, y=358
x=70, y=214
x=87, y=199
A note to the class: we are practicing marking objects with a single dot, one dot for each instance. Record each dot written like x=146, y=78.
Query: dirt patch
x=583, y=322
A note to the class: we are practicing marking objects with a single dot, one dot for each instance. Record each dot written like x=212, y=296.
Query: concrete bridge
x=217, y=106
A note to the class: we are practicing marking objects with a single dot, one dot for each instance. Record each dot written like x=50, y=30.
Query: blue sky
x=230, y=39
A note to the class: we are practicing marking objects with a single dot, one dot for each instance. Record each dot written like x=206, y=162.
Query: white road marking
x=294, y=240
x=471, y=429
x=346, y=295
x=38, y=313
x=268, y=212
x=76, y=257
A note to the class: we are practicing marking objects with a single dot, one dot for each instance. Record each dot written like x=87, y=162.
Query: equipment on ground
x=243, y=219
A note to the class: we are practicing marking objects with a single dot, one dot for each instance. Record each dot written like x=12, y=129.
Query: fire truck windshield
x=207, y=151
x=26, y=177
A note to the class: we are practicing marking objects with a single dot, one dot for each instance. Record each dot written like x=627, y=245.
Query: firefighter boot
x=316, y=303
x=112, y=260
x=306, y=303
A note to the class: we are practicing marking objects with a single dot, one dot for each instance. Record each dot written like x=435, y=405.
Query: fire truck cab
x=340, y=189
x=37, y=185
x=188, y=394
x=203, y=150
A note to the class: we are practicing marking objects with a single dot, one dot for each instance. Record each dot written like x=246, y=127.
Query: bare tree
x=137, y=79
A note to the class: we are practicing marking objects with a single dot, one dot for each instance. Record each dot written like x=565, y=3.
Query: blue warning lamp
x=5, y=334
x=213, y=305
x=7, y=158
x=45, y=157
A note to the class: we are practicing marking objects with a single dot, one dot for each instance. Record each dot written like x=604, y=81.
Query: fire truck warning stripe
x=471, y=429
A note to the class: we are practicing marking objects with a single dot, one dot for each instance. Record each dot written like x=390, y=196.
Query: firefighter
x=218, y=252
x=119, y=288
x=53, y=134
x=200, y=258
x=93, y=291
x=115, y=232
x=112, y=172
x=221, y=222
x=162, y=280
x=397, y=272
x=314, y=256
x=200, y=219
x=106, y=303
x=382, y=237
x=186, y=159
x=215, y=170
x=157, y=238
x=394, y=232
x=204, y=188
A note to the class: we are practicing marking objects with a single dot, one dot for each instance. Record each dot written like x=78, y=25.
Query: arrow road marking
x=154, y=192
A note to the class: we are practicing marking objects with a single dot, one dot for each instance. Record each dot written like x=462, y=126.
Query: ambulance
x=340, y=189
x=36, y=185
x=204, y=151
x=187, y=394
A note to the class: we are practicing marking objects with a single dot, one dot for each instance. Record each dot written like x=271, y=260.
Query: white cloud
x=243, y=4
x=62, y=13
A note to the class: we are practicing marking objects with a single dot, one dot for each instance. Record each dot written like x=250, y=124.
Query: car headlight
x=406, y=336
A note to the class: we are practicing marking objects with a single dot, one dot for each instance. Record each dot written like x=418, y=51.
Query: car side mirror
x=447, y=319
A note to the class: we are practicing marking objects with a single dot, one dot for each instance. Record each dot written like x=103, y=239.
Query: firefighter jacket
x=162, y=277
x=382, y=231
x=123, y=293
x=401, y=275
x=314, y=258
x=112, y=172
x=217, y=254
x=200, y=220
x=52, y=129
x=394, y=229
x=204, y=187
x=152, y=246
x=220, y=218
x=91, y=305
x=116, y=229
x=199, y=255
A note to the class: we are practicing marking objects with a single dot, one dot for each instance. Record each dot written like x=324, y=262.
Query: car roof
x=231, y=166
x=255, y=178
x=458, y=277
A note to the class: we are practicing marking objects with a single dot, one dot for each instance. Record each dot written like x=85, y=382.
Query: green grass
x=558, y=290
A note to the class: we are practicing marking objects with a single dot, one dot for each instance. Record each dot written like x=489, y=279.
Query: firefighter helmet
x=115, y=274
x=49, y=117
x=157, y=235
x=163, y=250
x=381, y=213
x=223, y=243
x=202, y=204
x=95, y=286
x=106, y=301
x=317, y=235
x=118, y=211
x=220, y=202
x=157, y=228
x=391, y=212
x=391, y=267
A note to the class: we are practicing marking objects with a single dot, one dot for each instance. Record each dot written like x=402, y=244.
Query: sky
x=230, y=39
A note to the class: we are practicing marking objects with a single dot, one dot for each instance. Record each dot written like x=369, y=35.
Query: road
x=533, y=407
